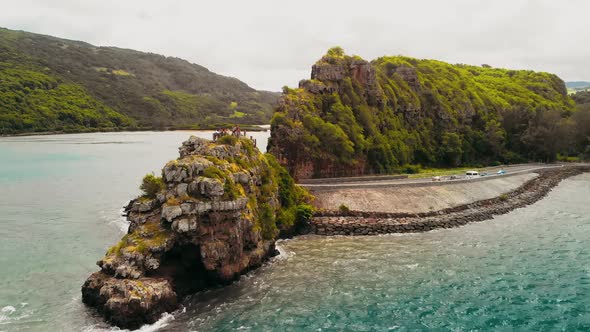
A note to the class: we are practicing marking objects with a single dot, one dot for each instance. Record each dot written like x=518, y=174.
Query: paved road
x=510, y=170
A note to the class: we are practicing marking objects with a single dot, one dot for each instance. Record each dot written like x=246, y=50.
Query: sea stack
x=214, y=215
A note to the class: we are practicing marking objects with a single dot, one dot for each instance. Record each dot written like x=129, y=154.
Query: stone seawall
x=418, y=197
x=373, y=223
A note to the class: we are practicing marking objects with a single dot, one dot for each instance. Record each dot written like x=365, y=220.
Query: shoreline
x=257, y=128
x=353, y=223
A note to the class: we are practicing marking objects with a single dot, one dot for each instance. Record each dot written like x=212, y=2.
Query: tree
x=545, y=136
x=496, y=137
x=336, y=51
x=452, y=148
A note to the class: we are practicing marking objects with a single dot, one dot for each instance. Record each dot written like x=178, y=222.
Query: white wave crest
x=162, y=322
x=119, y=220
x=8, y=309
x=284, y=254
x=10, y=314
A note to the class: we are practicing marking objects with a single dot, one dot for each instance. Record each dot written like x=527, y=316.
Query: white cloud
x=269, y=44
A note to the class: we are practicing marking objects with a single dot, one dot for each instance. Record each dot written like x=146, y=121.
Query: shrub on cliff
x=228, y=140
x=344, y=210
x=303, y=213
x=214, y=173
x=294, y=200
x=411, y=169
x=151, y=185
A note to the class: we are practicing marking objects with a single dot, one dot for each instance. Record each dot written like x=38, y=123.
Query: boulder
x=185, y=225
x=207, y=187
x=129, y=303
x=169, y=212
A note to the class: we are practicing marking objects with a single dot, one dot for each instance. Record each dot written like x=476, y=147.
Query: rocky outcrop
x=333, y=72
x=131, y=301
x=373, y=223
x=410, y=75
x=327, y=76
x=213, y=219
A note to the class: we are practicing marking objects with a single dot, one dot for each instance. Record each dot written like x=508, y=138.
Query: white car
x=472, y=174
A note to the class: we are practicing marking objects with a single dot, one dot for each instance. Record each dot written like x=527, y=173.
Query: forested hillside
x=354, y=117
x=580, y=133
x=52, y=84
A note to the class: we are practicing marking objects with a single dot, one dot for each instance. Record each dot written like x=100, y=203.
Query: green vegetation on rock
x=354, y=117
x=34, y=101
x=274, y=202
x=344, y=209
x=52, y=84
x=151, y=185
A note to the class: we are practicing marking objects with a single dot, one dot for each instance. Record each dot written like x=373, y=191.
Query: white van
x=471, y=174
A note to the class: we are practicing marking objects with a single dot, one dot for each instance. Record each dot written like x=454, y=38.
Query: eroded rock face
x=327, y=78
x=203, y=228
x=341, y=76
x=131, y=301
x=410, y=75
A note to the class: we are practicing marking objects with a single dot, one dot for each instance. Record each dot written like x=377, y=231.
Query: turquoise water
x=60, y=204
x=60, y=209
x=525, y=271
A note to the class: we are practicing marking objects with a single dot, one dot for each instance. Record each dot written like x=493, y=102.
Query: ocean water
x=60, y=203
x=60, y=209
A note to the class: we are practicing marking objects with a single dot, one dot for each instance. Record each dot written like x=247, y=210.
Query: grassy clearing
x=121, y=72
x=568, y=159
x=238, y=114
x=430, y=172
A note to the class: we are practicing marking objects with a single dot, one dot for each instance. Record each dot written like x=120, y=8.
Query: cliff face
x=355, y=117
x=215, y=214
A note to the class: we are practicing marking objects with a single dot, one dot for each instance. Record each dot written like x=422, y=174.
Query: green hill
x=573, y=87
x=52, y=84
x=577, y=85
x=354, y=117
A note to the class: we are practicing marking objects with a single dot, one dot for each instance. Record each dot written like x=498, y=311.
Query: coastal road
x=378, y=181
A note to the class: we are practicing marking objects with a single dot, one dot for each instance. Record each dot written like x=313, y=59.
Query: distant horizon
x=268, y=46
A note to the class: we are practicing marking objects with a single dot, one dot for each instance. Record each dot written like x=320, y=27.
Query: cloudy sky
x=272, y=43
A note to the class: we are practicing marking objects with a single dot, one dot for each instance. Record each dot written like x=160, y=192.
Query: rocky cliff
x=213, y=215
x=354, y=117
